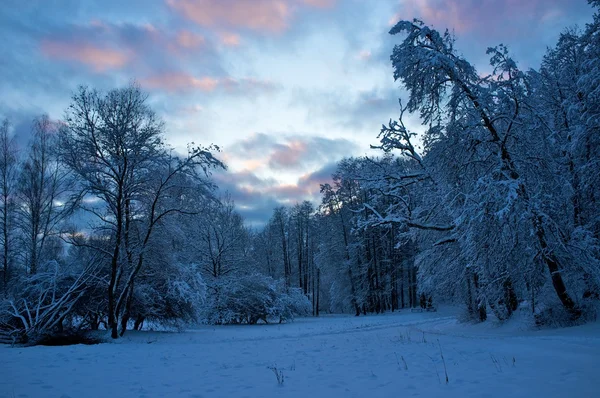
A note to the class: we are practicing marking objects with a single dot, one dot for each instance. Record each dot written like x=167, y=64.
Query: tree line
x=498, y=210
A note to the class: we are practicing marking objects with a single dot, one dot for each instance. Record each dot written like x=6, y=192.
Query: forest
x=494, y=207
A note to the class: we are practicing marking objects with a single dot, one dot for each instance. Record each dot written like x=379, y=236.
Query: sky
x=286, y=88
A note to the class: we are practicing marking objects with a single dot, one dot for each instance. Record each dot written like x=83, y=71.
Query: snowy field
x=392, y=355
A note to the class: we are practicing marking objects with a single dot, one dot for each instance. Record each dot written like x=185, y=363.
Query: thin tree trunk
x=139, y=322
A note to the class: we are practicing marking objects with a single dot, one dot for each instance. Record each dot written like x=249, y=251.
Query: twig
x=443, y=360
x=278, y=374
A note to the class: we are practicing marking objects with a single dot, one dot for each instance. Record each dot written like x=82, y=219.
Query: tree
x=222, y=239
x=113, y=143
x=500, y=206
x=280, y=224
x=8, y=174
x=44, y=191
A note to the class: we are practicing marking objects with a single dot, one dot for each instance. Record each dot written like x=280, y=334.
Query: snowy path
x=392, y=355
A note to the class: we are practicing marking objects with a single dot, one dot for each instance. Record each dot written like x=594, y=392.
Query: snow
x=330, y=356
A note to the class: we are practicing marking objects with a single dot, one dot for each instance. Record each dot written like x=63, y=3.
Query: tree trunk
x=318, y=288
x=481, y=304
x=553, y=266
x=94, y=322
x=6, y=245
x=139, y=322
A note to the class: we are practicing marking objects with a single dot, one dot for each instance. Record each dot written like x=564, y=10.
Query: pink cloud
x=272, y=16
x=486, y=17
x=188, y=40
x=260, y=15
x=306, y=187
x=289, y=154
x=181, y=81
x=230, y=39
x=104, y=46
x=100, y=59
x=440, y=13
x=253, y=164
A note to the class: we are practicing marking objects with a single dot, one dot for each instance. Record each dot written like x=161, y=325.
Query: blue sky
x=285, y=87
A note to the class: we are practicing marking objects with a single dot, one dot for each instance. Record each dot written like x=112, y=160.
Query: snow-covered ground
x=392, y=355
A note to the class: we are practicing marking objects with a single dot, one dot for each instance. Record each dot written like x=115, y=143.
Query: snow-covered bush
x=43, y=304
x=251, y=298
x=172, y=297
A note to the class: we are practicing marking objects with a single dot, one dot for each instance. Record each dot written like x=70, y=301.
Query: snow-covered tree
x=112, y=142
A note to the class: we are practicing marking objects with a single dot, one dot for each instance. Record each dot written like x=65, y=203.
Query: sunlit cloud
x=260, y=15
x=268, y=16
x=230, y=39
x=320, y=3
x=289, y=154
x=182, y=82
x=188, y=40
x=487, y=17
x=133, y=48
x=98, y=58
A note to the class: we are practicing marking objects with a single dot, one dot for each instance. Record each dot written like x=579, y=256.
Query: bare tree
x=8, y=172
x=44, y=192
x=222, y=240
x=280, y=221
x=113, y=143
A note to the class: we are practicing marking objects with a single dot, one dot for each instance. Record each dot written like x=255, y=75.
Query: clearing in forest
x=391, y=355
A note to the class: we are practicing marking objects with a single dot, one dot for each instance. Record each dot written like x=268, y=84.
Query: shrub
x=252, y=298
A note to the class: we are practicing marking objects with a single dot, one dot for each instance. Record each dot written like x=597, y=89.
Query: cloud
x=526, y=27
x=266, y=16
x=248, y=192
x=487, y=17
x=190, y=40
x=364, y=55
x=135, y=48
x=260, y=15
x=256, y=197
x=99, y=59
x=181, y=81
x=302, y=152
x=267, y=171
x=289, y=153
x=360, y=110
x=320, y=3
x=229, y=39
x=248, y=84
x=191, y=109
